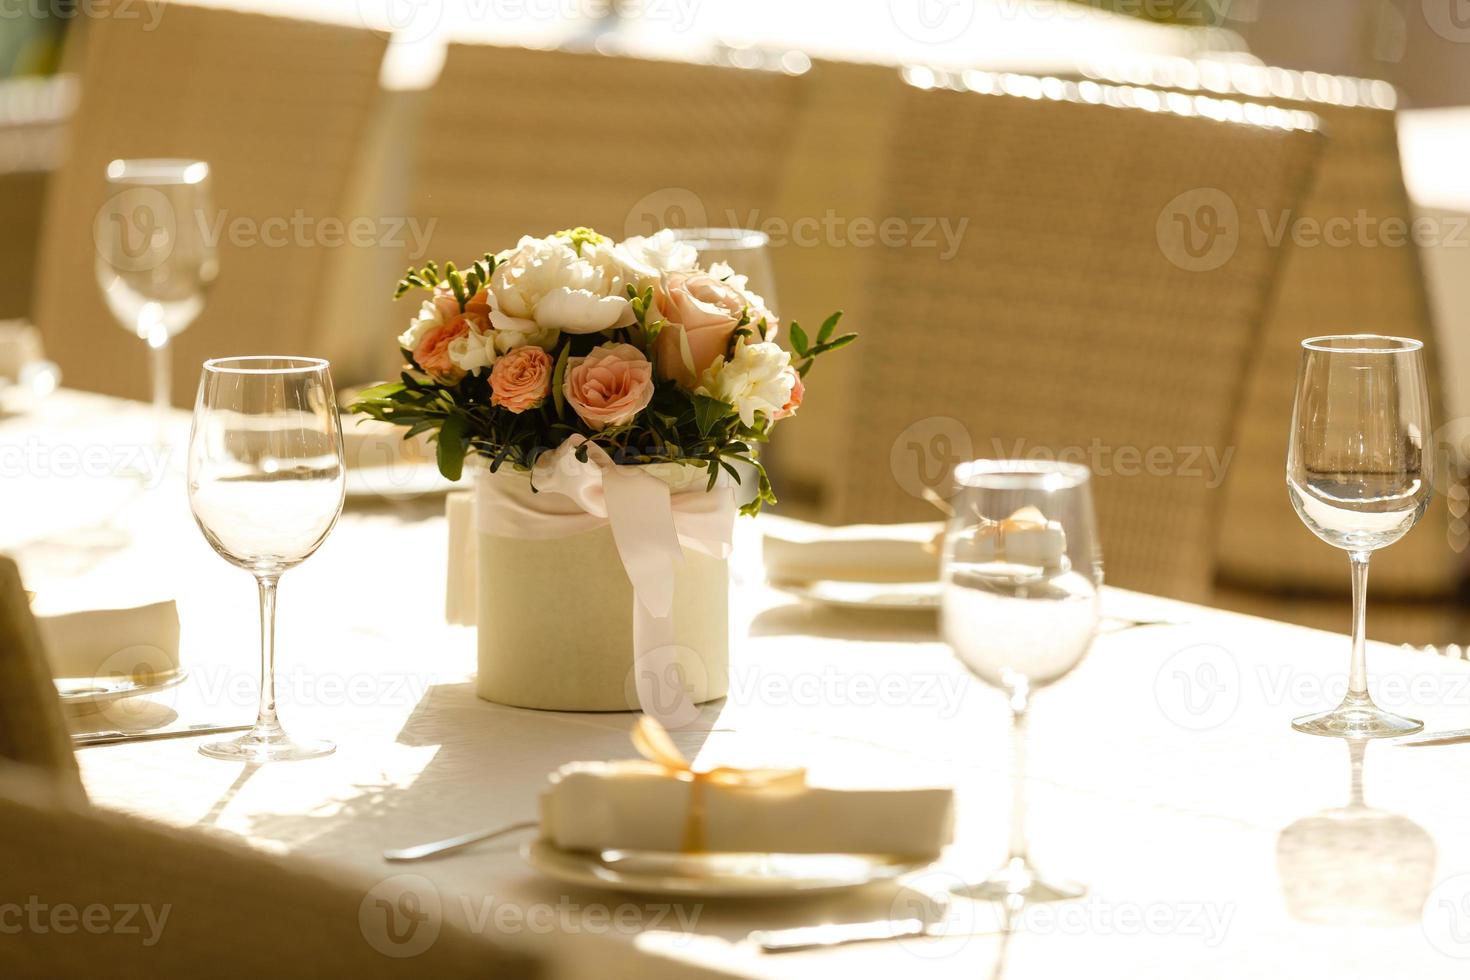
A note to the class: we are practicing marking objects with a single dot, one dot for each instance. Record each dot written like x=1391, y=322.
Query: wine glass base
x=1018, y=882
x=256, y=747
x=1357, y=719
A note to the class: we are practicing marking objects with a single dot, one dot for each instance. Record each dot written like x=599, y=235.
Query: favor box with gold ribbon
x=662, y=803
x=602, y=587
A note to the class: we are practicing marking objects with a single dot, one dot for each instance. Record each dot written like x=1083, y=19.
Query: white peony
x=545, y=280
x=648, y=256
x=756, y=378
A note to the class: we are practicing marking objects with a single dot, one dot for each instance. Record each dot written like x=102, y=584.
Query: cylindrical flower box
x=555, y=614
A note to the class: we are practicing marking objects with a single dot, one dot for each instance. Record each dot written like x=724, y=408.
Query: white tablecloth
x=1163, y=773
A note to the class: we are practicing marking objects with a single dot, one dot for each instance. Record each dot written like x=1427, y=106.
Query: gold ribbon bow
x=653, y=743
x=1028, y=518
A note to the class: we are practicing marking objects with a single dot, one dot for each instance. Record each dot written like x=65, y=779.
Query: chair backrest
x=1350, y=265
x=622, y=144
x=32, y=729
x=33, y=116
x=277, y=107
x=203, y=906
x=1094, y=302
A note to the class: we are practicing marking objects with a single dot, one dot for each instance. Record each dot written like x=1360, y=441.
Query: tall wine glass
x=1359, y=471
x=745, y=251
x=1021, y=577
x=155, y=259
x=266, y=483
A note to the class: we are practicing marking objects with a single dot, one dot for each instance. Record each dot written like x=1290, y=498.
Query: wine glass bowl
x=744, y=250
x=267, y=481
x=1359, y=472
x=154, y=260
x=1020, y=590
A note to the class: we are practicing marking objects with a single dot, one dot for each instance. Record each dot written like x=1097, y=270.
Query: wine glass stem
x=265, y=719
x=1358, y=672
x=159, y=362
x=1019, y=701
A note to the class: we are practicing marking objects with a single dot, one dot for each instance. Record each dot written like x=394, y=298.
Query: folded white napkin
x=141, y=642
x=651, y=805
x=796, y=551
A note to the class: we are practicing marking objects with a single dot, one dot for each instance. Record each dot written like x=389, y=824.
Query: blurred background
x=1089, y=230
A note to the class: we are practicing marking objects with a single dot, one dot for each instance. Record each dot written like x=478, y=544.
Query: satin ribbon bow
x=653, y=743
x=1026, y=519
x=650, y=527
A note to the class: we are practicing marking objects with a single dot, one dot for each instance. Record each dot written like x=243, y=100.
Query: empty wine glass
x=266, y=483
x=1021, y=578
x=745, y=251
x=154, y=257
x=1359, y=472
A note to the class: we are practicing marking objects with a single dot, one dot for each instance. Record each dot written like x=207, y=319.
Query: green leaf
x=798, y=339
x=825, y=334
x=710, y=412
x=832, y=345
x=452, y=447
x=558, y=376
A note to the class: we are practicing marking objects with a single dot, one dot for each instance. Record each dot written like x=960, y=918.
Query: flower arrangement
x=630, y=346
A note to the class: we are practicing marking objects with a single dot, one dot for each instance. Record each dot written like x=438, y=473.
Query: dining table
x=1163, y=773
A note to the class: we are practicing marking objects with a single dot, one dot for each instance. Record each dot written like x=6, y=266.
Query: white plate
x=864, y=595
x=83, y=691
x=716, y=875
x=399, y=481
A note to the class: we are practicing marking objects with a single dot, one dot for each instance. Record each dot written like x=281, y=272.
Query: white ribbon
x=650, y=527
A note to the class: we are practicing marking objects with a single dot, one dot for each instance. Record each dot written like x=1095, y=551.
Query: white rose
x=473, y=352
x=512, y=333
x=755, y=379
x=427, y=319
x=755, y=301
x=546, y=281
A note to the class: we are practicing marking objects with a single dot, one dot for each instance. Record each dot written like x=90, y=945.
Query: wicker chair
x=1073, y=318
x=1358, y=283
x=590, y=155
x=32, y=730
x=277, y=107
x=179, y=903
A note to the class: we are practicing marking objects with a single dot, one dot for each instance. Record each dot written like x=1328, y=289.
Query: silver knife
x=115, y=736
x=842, y=933
x=1446, y=737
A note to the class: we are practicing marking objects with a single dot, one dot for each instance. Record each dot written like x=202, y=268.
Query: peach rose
x=610, y=385
x=432, y=353
x=521, y=380
x=794, y=402
x=702, y=309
